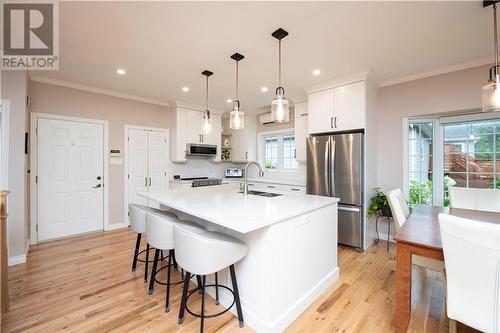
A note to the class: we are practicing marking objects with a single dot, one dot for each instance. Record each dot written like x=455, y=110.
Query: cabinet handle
x=331, y=122
x=295, y=189
x=149, y=181
x=335, y=121
x=295, y=153
x=270, y=186
x=202, y=138
x=250, y=184
x=246, y=155
x=145, y=181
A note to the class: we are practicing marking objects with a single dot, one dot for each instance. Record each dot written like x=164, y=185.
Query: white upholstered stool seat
x=207, y=253
x=160, y=230
x=137, y=214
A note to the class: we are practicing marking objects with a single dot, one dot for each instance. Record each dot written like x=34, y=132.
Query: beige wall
x=70, y=102
x=14, y=89
x=456, y=91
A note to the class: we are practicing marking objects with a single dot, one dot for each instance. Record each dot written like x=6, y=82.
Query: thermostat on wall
x=114, y=153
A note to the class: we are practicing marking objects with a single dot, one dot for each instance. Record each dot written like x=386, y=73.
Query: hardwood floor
x=84, y=284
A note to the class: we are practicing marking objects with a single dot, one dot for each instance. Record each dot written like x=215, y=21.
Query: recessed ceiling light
x=229, y=100
x=263, y=89
x=120, y=71
x=316, y=72
x=185, y=89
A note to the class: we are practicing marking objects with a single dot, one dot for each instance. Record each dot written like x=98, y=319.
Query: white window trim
x=437, y=158
x=260, y=138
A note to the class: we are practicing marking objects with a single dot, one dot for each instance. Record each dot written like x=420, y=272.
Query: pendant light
x=237, y=117
x=491, y=91
x=279, y=106
x=206, y=122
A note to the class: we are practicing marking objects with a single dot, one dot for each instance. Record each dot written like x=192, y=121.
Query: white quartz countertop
x=230, y=209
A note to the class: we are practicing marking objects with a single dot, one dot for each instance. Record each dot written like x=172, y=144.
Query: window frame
x=261, y=151
x=438, y=149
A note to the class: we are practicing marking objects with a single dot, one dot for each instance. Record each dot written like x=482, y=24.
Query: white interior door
x=147, y=164
x=157, y=150
x=137, y=165
x=70, y=178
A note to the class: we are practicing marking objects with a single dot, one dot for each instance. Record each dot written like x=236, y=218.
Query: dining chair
x=475, y=198
x=472, y=259
x=400, y=213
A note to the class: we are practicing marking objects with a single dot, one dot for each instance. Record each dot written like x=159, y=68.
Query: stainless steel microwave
x=201, y=150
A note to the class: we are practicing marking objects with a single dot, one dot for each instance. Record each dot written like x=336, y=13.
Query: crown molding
x=95, y=90
x=439, y=71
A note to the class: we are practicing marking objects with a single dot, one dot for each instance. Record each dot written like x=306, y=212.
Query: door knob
x=97, y=186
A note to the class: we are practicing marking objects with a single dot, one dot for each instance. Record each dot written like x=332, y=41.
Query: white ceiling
x=165, y=45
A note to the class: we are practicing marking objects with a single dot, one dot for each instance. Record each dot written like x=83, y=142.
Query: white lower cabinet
x=270, y=187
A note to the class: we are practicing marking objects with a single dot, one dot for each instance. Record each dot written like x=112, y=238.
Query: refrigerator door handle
x=349, y=209
x=332, y=167
x=327, y=166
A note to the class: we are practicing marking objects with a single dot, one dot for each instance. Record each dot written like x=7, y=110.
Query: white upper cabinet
x=193, y=126
x=300, y=131
x=244, y=141
x=185, y=128
x=321, y=107
x=339, y=108
x=350, y=106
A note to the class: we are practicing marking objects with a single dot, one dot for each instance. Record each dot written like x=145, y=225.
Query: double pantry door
x=147, y=164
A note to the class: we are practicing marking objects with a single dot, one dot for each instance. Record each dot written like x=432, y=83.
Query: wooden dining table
x=420, y=235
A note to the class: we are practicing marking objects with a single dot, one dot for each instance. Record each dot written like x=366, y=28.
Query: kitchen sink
x=262, y=194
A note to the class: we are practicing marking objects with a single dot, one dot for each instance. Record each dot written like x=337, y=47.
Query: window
x=472, y=155
x=420, y=162
x=461, y=151
x=278, y=151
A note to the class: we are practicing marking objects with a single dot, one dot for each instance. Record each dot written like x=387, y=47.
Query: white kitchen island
x=292, y=242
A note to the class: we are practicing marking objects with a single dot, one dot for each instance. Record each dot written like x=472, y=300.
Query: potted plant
x=379, y=206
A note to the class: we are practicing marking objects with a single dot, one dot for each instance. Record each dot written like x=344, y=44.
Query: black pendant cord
x=237, y=80
x=279, y=64
x=207, y=113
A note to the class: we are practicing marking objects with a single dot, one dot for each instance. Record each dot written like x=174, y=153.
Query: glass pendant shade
x=491, y=95
x=236, y=117
x=280, y=107
x=206, y=123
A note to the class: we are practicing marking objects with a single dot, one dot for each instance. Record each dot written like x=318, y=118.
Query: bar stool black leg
x=236, y=295
x=202, y=304
x=167, y=302
x=147, y=264
x=198, y=279
x=182, y=308
x=153, y=272
x=217, y=289
x=136, y=253
x=172, y=253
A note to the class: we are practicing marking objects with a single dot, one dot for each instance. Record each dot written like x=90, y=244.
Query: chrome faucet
x=245, y=184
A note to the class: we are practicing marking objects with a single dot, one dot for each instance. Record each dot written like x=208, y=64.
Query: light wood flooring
x=84, y=284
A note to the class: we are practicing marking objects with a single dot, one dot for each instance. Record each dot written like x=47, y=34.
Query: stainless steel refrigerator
x=335, y=169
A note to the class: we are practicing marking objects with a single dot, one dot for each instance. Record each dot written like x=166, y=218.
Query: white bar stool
x=207, y=253
x=138, y=224
x=160, y=231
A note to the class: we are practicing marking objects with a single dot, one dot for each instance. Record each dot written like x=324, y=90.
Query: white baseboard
x=17, y=260
x=116, y=226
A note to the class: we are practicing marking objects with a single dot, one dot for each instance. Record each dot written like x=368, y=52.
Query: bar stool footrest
x=215, y=314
